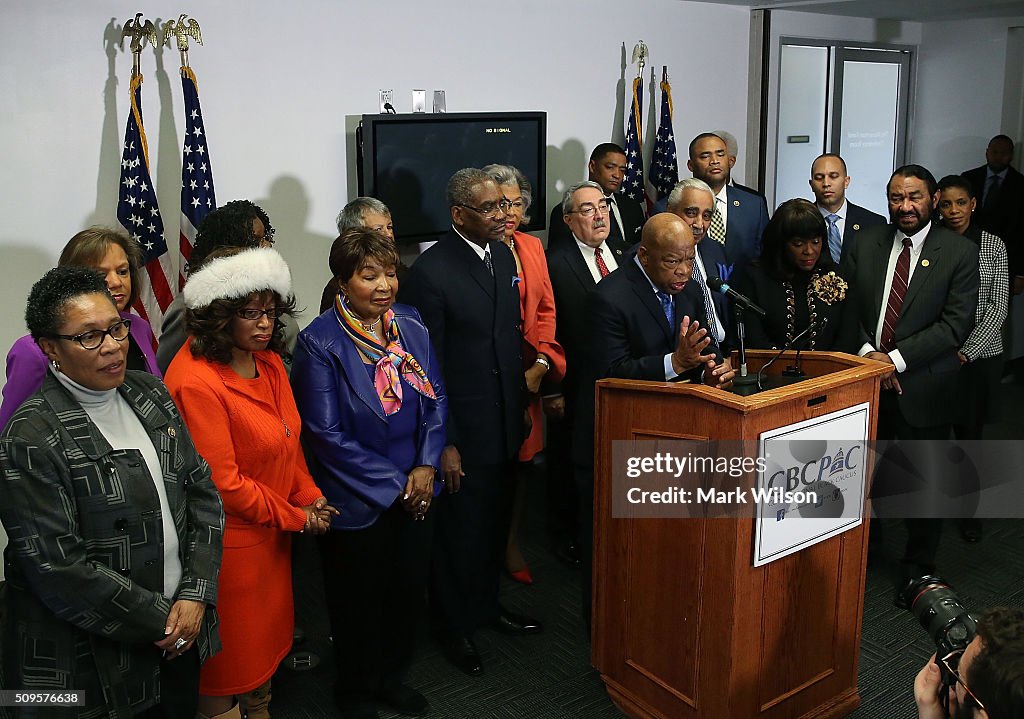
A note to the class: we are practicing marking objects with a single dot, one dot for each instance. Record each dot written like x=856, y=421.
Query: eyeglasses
x=94, y=338
x=486, y=211
x=588, y=209
x=954, y=671
x=509, y=205
x=248, y=313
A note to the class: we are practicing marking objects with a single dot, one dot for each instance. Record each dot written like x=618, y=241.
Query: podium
x=683, y=624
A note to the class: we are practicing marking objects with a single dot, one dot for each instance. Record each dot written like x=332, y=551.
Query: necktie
x=487, y=261
x=602, y=268
x=835, y=240
x=614, y=219
x=896, y=293
x=716, y=231
x=709, y=307
x=991, y=190
x=667, y=307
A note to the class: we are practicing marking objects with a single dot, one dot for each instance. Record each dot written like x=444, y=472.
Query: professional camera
x=947, y=621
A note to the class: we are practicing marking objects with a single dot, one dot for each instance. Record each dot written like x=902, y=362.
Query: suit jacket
x=937, y=314
x=629, y=337
x=26, y=365
x=1004, y=218
x=744, y=227
x=840, y=333
x=571, y=282
x=474, y=326
x=344, y=428
x=84, y=566
x=620, y=240
x=858, y=219
x=716, y=264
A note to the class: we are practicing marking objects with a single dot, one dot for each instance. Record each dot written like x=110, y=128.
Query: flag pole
x=138, y=31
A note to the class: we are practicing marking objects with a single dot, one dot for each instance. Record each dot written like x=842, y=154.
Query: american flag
x=633, y=182
x=137, y=211
x=664, y=166
x=197, y=198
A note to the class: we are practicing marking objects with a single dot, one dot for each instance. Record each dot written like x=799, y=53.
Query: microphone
x=817, y=324
x=745, y=302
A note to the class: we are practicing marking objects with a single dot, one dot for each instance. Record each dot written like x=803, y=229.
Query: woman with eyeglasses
x=118, y=258
x=114, y=526
x=239, y=223
x=231, y=387
x=543, y=357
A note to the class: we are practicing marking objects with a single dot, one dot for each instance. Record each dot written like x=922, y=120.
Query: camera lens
x=938, y=609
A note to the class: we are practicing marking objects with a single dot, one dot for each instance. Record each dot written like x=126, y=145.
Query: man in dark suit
x=918, y=293
x=740, y=217
x=694, y=203
x=999, y=189
x=465, y=288
x=845, y=220
x=607, y=168
x=575, y=270
x=646, y=321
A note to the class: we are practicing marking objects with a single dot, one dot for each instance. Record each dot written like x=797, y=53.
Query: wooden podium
x=683, y=624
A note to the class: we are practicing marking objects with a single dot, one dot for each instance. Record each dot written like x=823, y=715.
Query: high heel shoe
x=522, y=576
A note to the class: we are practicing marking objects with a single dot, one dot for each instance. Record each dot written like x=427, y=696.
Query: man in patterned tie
x=693, y=201
x=740, y=217
x=917, y=295
x=845, y=220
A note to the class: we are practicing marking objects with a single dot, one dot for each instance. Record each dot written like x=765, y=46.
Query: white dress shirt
x=590, y=258
x=722, y=204
x=894, y=253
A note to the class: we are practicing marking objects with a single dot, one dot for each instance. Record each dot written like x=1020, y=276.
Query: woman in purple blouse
x=119, y=259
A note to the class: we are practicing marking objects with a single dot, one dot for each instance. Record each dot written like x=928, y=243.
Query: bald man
x=646, y=322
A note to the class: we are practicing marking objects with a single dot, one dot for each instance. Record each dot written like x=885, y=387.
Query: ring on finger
x=180, y=643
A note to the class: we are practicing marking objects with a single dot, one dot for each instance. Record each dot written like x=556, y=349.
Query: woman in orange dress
x=543, y=357
x=230, y=385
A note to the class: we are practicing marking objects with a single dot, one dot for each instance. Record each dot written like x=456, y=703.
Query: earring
x=56, y=365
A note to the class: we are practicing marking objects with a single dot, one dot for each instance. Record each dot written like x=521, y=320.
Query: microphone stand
x=743, y=383
x=788, y=346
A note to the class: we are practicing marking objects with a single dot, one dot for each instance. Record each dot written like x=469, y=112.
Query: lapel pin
x=925, y=263
x=170, y=432
x=856, y=227
x=618, y=252
x=736, y=203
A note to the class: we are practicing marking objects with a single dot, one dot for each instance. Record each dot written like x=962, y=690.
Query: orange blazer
x=538, y=306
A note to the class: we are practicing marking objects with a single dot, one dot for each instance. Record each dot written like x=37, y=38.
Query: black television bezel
x=366, y=164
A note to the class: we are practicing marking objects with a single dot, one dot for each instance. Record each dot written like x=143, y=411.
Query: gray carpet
x=550, y=676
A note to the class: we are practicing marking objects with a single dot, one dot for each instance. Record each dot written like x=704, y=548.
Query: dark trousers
x=923, y=533
x=584, y=477
x=562, y=521
x=179, y=688
x=470, y=539
x=375, y=580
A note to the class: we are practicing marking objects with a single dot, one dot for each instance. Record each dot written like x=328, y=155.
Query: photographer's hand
x=926, y=692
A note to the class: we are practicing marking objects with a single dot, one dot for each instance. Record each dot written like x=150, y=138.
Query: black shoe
x=360, y=710
x=569, y=554
x=970, y=530
x=404, y=700
x=462, y=653
x=509, y=623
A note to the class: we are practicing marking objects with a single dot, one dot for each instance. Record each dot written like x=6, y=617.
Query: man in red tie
x=917, y=295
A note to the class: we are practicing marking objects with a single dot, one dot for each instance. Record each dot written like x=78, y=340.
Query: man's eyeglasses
x=486, y=210
x=588, y=210
x=249, y=313
x=94, y=338
x=951, y=664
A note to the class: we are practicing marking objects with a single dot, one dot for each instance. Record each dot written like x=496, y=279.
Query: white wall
x=960, y=93
x=277, y=82
x=787, y=23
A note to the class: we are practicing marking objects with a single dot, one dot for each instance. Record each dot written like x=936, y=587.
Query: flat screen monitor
x=405, y=161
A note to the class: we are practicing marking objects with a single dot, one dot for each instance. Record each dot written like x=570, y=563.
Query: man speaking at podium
x=647, y=322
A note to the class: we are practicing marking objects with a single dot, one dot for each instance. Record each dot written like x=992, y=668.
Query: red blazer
x=538, y=305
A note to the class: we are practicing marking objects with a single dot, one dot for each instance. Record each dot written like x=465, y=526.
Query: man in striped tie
x=917, y=294
x=845, y=220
